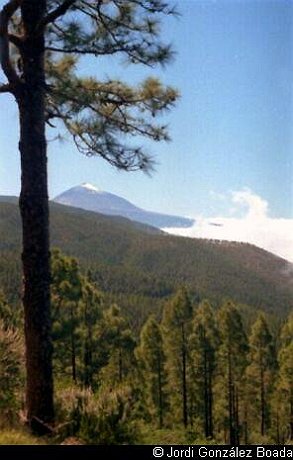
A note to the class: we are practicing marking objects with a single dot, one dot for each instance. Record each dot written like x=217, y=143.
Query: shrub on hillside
x=11, y=372
x=102, y=418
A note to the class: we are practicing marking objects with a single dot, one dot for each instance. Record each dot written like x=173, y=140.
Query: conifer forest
x=190, y=373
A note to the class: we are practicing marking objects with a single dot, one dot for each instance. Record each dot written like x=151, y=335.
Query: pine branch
x=113, y=32
x=121, y=46
x=57, y=13
x=94, y=52
x=5, y=16
x=99, y=115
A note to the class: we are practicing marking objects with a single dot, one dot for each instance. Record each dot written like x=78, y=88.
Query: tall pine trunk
x=35, y=221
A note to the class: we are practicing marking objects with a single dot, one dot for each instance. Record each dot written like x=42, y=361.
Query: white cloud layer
x=255, y=227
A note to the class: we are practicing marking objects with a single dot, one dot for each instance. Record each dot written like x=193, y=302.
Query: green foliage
x=231, y=364
x=90, y=310
x=286, y=336
x=176, y=324
x=152, y=359
x=98, y=114
x=260, y=373
x=134, y=266
x=282, y=400
x=76, y=311
x=223, y=378
x=103, y=418
x=11, y=372
x=9, y=316
x=119, y=348
x=149, y=435
x=204, y=344
x=209, y=374
x=66, y=294
x=18, y=437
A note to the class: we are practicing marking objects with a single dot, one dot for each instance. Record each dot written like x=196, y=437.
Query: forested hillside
x=207, y=366
x=141, y=266
x=198, y=375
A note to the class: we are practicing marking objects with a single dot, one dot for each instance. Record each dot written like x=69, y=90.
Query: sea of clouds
x=255, y=226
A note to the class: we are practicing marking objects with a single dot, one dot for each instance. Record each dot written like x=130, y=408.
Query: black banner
x=145, y=452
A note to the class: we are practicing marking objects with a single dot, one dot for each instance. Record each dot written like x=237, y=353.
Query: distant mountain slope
x=88, y=197
x=8, y=199
x=132, y=260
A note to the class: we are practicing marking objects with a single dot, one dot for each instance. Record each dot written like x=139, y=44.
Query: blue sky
x=231, y=130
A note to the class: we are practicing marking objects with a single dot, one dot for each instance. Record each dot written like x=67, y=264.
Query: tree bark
x=35, y=221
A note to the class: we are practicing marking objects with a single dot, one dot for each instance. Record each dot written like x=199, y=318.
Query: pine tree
x=76, y=314
x=204, y=343
x=48, y=37
x=286, y=335
x=119, y=346
x=284, y=389
x=262, y=358
x=177, y=317
x=231, y=365
x=66, y=295
x=90, y=310
x=152, y=359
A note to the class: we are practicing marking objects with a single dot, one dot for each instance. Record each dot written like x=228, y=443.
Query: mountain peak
x=90, y=187
x=87, y=196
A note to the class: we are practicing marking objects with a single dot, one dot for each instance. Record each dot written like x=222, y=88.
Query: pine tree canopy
x=99, y=115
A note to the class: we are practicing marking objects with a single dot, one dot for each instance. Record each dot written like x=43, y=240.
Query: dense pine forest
x=192, y=373
x=139, y=266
